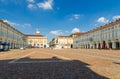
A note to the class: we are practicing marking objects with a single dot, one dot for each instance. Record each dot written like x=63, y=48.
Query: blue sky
x=58, y=17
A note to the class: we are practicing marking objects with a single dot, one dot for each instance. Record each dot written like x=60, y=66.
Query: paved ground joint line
x=20, y=57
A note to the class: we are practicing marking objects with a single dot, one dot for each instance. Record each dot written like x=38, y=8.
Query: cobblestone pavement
x=38, y=63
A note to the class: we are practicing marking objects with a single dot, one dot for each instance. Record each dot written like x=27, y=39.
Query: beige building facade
x=77, y=34
x=11, y=37
x=37, y=40
x=62, y=42
x=104, y=37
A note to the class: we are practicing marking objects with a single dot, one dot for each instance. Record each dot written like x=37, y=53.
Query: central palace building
x=37, y=40
x=104, y=37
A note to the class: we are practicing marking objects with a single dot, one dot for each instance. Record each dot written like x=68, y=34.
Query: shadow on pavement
x=116, y=63
x=53, y=68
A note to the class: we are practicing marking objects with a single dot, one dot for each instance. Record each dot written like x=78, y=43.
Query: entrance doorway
x=95, y=46
x=99, y=46
x=44, y=46
x=110, y=45
x=88, y=46
x=71, y=46
x=117, y=45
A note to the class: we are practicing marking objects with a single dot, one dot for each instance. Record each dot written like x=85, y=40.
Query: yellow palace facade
x=37, y=40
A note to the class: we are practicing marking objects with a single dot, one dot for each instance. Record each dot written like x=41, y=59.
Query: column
x=113, y=45
x=119, y=44
x=101, y=44
x=86, y=46
x=94, y=46
x=107, y=45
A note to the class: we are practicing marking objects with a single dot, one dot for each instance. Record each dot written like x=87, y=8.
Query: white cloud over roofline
x=74, y=30
x=56, y=32
x=14, y=24
x=102, y=20
x=116, y=17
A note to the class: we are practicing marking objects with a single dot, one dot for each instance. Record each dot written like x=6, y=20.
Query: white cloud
x=56, y=32
x=76, y=16
x=46, y=5
x=16, y=24
x=30, y=1
x=11, y=23
x=102, y=20
x=31, y=6
x=74, y=30
x=116, y=17
x=26, y=25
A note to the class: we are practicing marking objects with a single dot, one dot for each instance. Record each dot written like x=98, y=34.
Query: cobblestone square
x=39, y=63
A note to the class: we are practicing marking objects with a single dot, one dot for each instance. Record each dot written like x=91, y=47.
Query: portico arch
x=99, y=46
x=103, y=45
x=95, y=45
x=88, y=46
x=110, y=44
x=117, y=44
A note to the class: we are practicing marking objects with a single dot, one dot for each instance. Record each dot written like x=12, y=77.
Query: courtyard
x=38, y=63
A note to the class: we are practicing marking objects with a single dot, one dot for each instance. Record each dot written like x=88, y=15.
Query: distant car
x=37, y=47
x=22, y=48
x=32, y=47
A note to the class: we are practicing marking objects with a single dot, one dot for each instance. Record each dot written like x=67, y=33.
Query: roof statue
x=37, y=32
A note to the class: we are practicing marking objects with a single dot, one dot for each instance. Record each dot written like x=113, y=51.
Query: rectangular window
x=113, y=34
